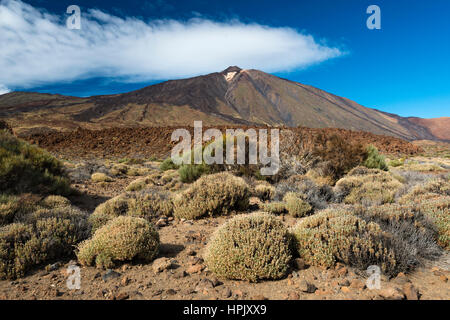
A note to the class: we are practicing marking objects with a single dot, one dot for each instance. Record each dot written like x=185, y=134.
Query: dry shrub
x=430, y=189
x=276, y=207
x=367, y=187
x=413, y=232
x=56, y=202
x=40, y=236
x=295, y=205
x=150, y=204
x=138, y=184
x=318, y=196
x=333, y=236
x=249, y=247
x=121, y=239
x=100, y=177
x=438, y=210
x=114, y=207
x=338, y=155
x=264, y=191
x=211, y=195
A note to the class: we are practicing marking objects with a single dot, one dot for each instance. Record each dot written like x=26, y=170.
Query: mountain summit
x=233, y=96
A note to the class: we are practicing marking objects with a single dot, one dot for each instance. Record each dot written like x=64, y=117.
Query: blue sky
x=404, y=68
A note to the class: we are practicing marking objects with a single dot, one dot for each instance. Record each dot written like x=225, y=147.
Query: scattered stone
x=125, y=281
x=357, y=284
x=121, y=296
x=410, y=292
x=346, y=289
x=204, y=285
x=226, y=292
x=161, y=223
x=391, y=293
x=344, y=283
x=161, y=264
x=171, y=292
x=110, y=274
x=293, y=296
x=307, y=287
x=179, y=274
x=259, y=297
x=194, y=269
x=238, y=293
x=342, y=271
x=195, y=260
x=191, y=252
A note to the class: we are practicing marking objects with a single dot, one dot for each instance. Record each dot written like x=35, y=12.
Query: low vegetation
x=27, y=168
x=211, y=195
x=250, y=247
x=121, y=239
x=367, y=187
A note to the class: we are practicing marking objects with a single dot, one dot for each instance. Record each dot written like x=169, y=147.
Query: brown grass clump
x=101, y=177
x=276, y=207
x=250, y=247
x=211, y=195
x=333, y=236
x=264, y=191
x=368, y=187
x=56, y=202
x=121, y=239
x=296, y=206
x=431, y=189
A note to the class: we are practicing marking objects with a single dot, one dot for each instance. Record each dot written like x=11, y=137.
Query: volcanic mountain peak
x=232, y=96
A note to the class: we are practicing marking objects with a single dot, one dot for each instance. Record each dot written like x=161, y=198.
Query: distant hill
x=233, y=96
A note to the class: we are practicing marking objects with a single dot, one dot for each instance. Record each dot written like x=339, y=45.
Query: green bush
x=121, y=239
x=213, y=194
x=374, y=159
x=191, y=172
x=168, y=165
x=249, y=247
x=296, y=206
x=26, y=168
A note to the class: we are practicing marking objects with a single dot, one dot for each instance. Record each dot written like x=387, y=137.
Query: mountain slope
x=233, y=96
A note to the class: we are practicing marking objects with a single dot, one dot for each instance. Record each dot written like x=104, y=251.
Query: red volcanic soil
x=156, y=141
x=439, y=127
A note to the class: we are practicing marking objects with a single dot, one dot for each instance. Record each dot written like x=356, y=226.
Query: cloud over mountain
x=38, y=48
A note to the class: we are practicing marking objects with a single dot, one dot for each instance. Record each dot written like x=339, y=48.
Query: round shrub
x=122, y=239
x=295, y=205
x=276, y=207
x=264, y=191
x=114, y=207
x=100, y=177
x=249, y=247
x=367, y=187
x=55, y=202
x=333, y=236
x=150, y=204
x=213, y=194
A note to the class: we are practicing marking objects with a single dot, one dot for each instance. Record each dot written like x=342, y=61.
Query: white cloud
x=4, y=89
x=37, y=48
